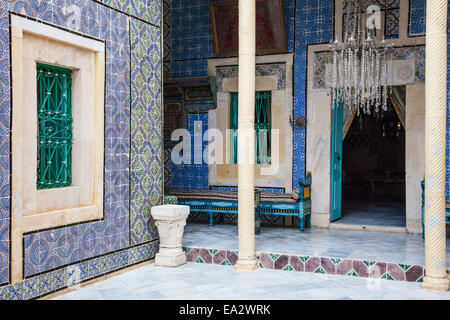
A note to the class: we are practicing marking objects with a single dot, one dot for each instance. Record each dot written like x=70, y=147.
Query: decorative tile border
x=167, y=37
x=417, y=53
x=50, y=282
x=323, y=265
x=270, y=69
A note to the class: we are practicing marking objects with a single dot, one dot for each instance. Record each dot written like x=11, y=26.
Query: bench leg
x=302, y=222
x=308, y=221
x=258, y=221
x=211, y=221
x=423, y=225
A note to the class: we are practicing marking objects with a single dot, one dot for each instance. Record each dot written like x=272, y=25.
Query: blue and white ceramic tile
x=51, y=249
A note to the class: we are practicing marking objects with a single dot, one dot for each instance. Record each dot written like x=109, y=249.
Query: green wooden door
x=337, y=132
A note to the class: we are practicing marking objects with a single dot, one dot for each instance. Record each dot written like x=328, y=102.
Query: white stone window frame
x=282, y=100
x=34, y=209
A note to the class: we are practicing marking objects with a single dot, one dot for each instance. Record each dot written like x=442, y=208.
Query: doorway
x=372, y=167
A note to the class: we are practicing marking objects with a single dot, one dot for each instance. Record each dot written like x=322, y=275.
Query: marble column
x=435, y=145
x=246, y=137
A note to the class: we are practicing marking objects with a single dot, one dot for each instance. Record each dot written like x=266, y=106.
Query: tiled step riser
x=324, y=265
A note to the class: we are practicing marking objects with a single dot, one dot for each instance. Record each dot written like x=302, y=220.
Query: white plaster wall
x=318, y=146
x=414, y=155
x=226, y=174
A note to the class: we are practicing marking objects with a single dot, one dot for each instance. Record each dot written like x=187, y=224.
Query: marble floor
x=333, y=243
x=373, y=213
x=210, y=282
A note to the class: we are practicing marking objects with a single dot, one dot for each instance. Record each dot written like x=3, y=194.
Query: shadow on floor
x=386, y=213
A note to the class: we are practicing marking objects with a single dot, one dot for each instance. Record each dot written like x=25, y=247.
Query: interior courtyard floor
x=373, y=213
x=334, y=243
x=205, y=282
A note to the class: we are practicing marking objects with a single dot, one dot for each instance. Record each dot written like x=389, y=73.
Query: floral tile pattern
x=146, y=136
x=167, y=37
x=271, y=69
x=51, y=249
x=146, y=10
x=47, y=283
x=79, y=245
x=324, y=265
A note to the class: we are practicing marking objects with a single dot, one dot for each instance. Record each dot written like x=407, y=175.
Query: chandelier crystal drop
x=359, y=66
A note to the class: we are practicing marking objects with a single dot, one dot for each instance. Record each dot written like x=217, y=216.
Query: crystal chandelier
x=359, y=66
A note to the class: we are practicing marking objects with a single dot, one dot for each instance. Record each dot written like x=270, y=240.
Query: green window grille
x=54, y=136
x=262, y=126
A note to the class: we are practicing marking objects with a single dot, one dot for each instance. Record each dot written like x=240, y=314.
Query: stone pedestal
x=170, y=220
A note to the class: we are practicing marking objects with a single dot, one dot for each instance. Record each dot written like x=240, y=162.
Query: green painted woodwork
x=336, y=159
x=234, y=125
x=262, y=126
x=263, y=101
x=54, y=136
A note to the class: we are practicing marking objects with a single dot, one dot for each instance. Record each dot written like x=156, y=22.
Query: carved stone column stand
x=170, y=220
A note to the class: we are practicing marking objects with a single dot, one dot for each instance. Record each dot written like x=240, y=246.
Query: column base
x=170, y=259
x=246, y=265
x=432, y=283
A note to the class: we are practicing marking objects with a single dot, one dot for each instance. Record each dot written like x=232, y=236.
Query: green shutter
x=262, y=126
x=54, y=136
x=233, y=125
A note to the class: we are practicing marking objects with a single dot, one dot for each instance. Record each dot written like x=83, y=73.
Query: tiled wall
x=313, y=24
x=417, y=28
x=307, y=22
x=133, y=146
x=190, y=176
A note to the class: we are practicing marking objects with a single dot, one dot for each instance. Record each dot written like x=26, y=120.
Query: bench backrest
x=305, y=187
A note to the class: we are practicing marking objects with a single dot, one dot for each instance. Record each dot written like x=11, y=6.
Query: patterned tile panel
x=417, y=53
x=324, y=265
x=192, y=35
x=62, y=246
x=314, y=24
x=167, y=37
x=146, y=10
x=47, y=283
x=190, y=176
x=272, y=69
x=67, y=246
x=417, y=17
x=4, y=145
x=146, y=135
